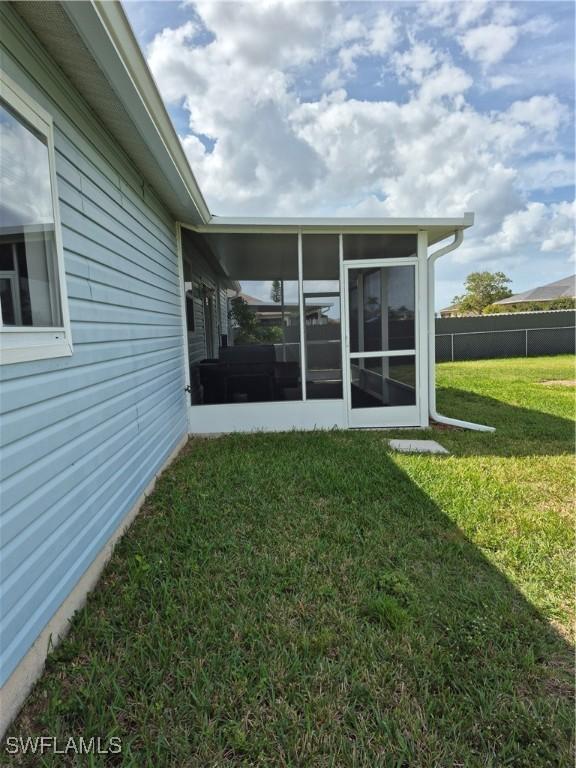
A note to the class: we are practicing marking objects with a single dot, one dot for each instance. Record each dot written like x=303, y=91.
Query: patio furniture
x=248, y=373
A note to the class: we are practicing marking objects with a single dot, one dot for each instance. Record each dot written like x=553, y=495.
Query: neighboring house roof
x=560, y=289
x=251, y=300
x=267, y=307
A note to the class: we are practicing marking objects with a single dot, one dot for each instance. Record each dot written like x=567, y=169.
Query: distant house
x=556, y=295
x=275, y=313
x=452, y=311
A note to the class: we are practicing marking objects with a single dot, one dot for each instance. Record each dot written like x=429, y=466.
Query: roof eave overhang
x=107, y=34
x=438, y=228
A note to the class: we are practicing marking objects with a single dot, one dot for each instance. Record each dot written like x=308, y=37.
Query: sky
x=415, y=109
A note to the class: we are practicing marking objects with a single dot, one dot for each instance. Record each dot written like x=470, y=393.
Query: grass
x=316, y=600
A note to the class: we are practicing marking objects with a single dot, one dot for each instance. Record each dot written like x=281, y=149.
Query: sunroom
x=311, y=323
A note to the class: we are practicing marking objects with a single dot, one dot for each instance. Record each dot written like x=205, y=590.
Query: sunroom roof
x=438, y=228
x=266, y=248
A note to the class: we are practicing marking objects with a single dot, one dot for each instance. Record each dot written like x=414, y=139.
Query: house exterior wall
x=83, y=436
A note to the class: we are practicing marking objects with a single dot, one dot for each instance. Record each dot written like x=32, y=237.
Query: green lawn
x=316, y=600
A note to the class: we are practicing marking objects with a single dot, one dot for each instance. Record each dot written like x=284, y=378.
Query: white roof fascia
x=106, y=32
x=332, y=224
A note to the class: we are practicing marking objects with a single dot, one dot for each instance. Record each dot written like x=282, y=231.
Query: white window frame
x=20, y=344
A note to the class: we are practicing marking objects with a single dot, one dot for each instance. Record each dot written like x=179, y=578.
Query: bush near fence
x=518, y=334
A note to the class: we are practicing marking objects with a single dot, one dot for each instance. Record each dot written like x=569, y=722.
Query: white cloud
x=490, y=43
x=522, y=227
x=504, y=13
x=539, y=25
x=412, y=64
x=376, y=38
x=445, y=81
x=383, y=34
x=436, y=14
x=543, y=113
x=528, y=233
x=470, y=12
x=344, y=30
x=560, y=231
x=502, y=81
x=267, y=34
x=552, y=172
x=428, y=153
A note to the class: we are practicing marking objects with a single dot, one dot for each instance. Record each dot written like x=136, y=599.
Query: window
x=34, y=320
x=260, y=361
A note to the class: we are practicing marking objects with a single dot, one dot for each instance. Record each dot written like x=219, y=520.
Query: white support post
x=423, y=360
x=385, y=344
x=344, y=333
x=302, y=317
x=180, y=256
x=360, y=314
x=283, y=320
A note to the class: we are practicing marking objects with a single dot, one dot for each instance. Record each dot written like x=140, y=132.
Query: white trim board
x=283, y=416
x=437, y=229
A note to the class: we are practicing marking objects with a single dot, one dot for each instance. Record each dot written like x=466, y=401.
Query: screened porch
x=303, y=328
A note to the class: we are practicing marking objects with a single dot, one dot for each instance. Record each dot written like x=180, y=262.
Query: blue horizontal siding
x=73, y=201
x=106, y=293
x=96, y=187
x=37, y=608
x=42, y=535
x=95, y=236
x=44, y=442
x=81, y=267
x=83, y=436
x=36, y=415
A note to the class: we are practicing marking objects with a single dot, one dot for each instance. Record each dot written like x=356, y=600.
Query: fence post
x=526, y=348
x=452, y=346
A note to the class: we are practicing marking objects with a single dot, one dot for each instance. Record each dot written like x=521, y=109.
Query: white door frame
x=381, y=416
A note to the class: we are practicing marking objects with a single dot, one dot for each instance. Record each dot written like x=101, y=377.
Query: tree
x=482, y=290
x=248, y=329
x=564, y=303
x=531, y=306
x=276, y=291
x=244, y=320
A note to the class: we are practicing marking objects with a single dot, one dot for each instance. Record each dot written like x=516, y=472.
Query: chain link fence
x=521, y=334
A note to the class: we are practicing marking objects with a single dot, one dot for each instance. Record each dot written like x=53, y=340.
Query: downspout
x=458, y=238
